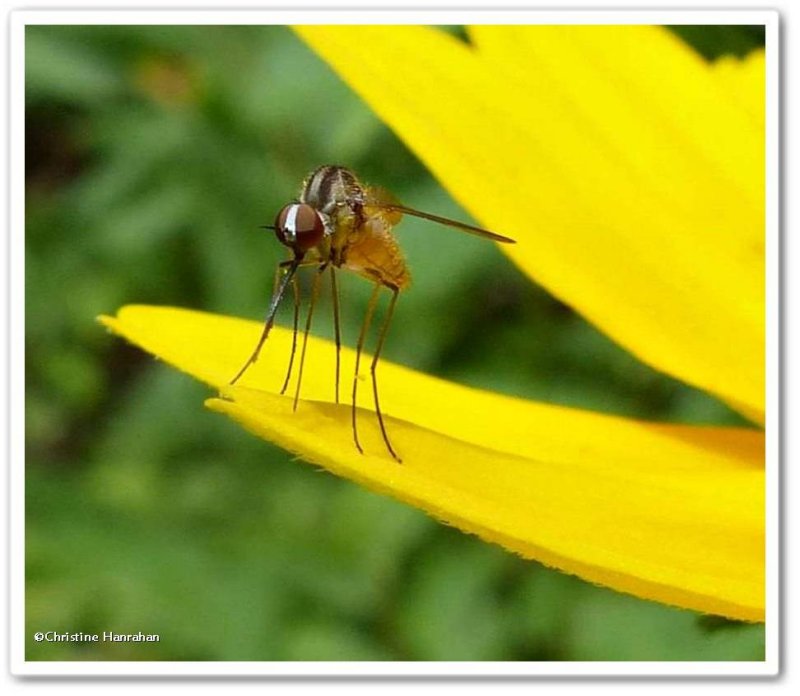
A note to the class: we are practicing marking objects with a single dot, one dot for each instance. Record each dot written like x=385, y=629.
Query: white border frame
x=20, y=19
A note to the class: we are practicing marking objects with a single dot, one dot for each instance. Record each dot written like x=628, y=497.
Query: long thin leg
x=364, y=328
x=336, y=330
x=312, y=302
x=373, y=367
x=296, y=292
x=288, y=269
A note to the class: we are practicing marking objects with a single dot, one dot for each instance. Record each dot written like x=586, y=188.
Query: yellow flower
x=632, y=175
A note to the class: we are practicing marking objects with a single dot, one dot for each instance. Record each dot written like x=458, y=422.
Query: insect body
x=340, y=223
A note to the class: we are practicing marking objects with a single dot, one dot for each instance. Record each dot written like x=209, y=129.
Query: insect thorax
x=329, y=187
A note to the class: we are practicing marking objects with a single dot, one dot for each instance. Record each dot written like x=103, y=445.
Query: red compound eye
x=299, y=226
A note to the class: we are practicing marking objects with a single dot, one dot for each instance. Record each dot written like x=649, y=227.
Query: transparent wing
x=383, y=200
x=478, y=231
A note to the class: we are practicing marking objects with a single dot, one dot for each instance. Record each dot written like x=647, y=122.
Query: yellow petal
x=665, y=512
x=631, y=178
x=743, y=78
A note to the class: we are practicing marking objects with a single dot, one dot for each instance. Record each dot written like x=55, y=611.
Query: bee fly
x=339, y=222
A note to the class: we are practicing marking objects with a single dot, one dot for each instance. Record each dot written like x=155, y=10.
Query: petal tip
x=215, y=403
x=109, y=322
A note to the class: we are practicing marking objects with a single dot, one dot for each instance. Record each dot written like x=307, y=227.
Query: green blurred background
x=152, y=155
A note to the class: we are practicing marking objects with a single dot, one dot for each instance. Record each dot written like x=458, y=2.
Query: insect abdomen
x=375, y=255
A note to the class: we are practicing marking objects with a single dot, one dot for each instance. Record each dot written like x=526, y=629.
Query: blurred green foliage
x=153, y=153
